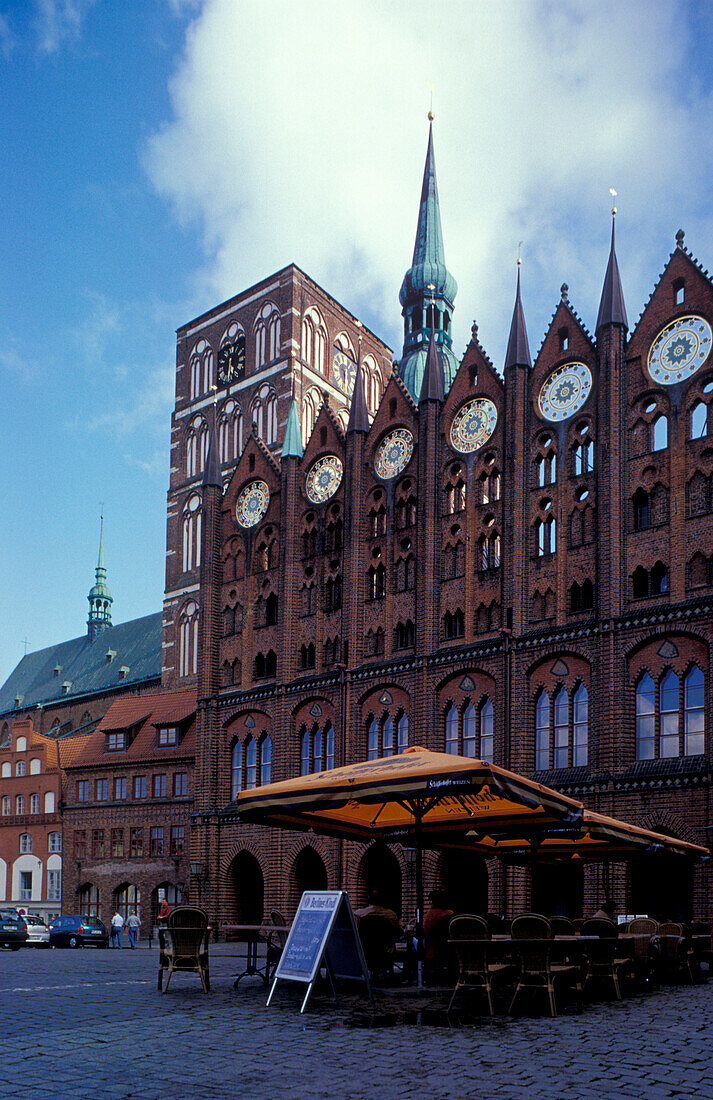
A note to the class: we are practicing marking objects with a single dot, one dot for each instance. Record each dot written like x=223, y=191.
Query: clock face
x=473, y=425
x=252, y=503
x=394, y=453
x=565, y=391
x=344, y=370
x=324, y=478
x=679, y=350
x=231, y=360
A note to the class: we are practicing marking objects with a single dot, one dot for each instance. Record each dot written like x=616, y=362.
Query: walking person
x=117, y=923
x=163, y=912
x=133, y=924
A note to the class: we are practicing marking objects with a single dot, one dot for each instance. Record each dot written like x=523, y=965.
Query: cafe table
x=251, y=935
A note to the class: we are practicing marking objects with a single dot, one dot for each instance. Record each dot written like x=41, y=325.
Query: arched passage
x=662, y=887
x=308, y=873
x=246, y=903
x=464, y=877
x=558, y=889
x=379, y=871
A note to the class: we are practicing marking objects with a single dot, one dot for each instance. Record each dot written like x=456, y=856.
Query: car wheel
x=16, y=946
x=73, y=941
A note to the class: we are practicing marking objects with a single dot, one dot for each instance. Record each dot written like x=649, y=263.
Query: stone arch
x=308, y=872
x=379, y=870
x=245, y=888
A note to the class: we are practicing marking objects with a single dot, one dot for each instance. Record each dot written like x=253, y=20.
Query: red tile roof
x=146, y=711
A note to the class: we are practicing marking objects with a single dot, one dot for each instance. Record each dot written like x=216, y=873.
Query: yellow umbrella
x=418, y=793
x=594, y=837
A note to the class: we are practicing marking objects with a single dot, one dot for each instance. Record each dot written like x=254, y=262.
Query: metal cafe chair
x=470, y=938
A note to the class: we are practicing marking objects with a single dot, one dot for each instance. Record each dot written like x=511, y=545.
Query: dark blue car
x=78, y=932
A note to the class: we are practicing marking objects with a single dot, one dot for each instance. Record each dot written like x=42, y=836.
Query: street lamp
x=199, y=872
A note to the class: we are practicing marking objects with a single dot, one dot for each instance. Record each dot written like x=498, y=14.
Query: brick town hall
x=511, y=561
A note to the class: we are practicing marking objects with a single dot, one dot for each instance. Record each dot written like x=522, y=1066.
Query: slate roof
x=147, y=712
x=83, y=664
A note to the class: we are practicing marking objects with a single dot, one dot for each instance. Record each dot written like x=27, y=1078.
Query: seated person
x=375, y=908
x=607, y=910
x=435, y=931
x=379, y=928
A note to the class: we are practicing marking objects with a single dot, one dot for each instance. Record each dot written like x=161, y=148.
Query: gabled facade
x=509, y=561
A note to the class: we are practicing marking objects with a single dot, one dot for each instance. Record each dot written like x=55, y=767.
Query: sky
x=159, y=156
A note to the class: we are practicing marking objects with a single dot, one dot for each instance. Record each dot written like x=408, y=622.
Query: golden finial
x=430, y=109
x=612, y=192
x=519, y=253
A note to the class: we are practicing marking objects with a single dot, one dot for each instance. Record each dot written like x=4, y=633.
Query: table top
x=252, y=928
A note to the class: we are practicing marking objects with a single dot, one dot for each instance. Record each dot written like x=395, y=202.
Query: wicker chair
x=183, y=945
x=604, y=961
x=643, y=926
x=470, y=938
x=562, y=926
x=531, y=926
x=276, y=940
x=538, y=970
x=676, y=956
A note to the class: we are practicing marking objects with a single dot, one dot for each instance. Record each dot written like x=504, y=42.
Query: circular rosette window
x=252, y=503
x=473, y=425
x=565, y=391
x=394, y=453
x=679, y=350
x=324, y=478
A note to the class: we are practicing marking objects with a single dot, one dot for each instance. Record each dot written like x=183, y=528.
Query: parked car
x=78, y=932
x=38, y=934
x=13, y=930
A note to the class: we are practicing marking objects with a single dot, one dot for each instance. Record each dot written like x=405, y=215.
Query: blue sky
x=161, y=155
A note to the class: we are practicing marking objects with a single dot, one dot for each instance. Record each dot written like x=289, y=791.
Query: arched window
x=669, y=690
x=693, y=710
x=561, y=753
x=372, y=740
x=264, y=413
x=25, y=843
x=452, y=730
x=377, y=582
x=659, y=434
x=402, y=733
x=188, y=640
x=584, y=457
x=642, y=510
x=387, y=736
x=486, y=731
x=89, y=901
x=200, y=368
x=250, y=763
x=645, y=718
x=236, y=769
x=546, y=536
x=266, y=760
x=580, y=727
x=266, y=333
x=192, y=533
x=699, y=421
x=305, y=751
x=20, y=767
x=49, y=802
x=19, y=805
x=542, y=732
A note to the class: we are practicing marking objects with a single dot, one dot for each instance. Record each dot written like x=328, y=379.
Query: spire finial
x=612, y=192
x=430, y=108
x=564, y=291
x=679, y=238
x=100, y=598
x=519, y=253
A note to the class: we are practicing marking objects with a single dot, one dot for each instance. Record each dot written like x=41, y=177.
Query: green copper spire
x=100, y=598
x=292, y=445
x=428, y=289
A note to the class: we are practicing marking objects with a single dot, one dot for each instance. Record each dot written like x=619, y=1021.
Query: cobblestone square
x=91, y=1024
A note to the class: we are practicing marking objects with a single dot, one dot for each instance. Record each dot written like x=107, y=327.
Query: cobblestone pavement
x=91, y=1024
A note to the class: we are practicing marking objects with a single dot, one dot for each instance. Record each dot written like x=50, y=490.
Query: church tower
x=428, y=289
x=100, y=598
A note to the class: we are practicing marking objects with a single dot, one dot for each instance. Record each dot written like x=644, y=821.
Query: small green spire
x=100, y=598
x=292, y=445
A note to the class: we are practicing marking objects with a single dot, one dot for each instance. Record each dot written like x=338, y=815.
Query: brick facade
x=437, y=593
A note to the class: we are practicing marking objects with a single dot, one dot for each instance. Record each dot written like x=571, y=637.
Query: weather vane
x=612, y=192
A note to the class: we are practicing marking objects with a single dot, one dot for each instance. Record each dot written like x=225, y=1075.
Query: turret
x=428, y=289
x=100, y=598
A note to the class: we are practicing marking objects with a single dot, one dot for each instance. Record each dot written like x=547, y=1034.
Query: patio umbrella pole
x=418, y=813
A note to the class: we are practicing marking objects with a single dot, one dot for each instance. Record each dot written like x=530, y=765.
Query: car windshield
x=92, y=922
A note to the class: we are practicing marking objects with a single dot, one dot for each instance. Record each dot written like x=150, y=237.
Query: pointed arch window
x=694, y=722
x=669, y=691
x=584, y=457
x=266, y=760
x=486, y=731
x=699, y=421
x=659, y=434
x=470, y=731
x=542, y=732
x=561, y=731
x=236, y=769
x=452, y=730
x=250, y=763
x=545, y=532
x=645, y=718
x=372, y=751
x=188, y=640
x=267, y=335
x=192, y=534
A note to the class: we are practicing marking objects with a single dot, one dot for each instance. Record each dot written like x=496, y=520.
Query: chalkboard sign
x=323, y=933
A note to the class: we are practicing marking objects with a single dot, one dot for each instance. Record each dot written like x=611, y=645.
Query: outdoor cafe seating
x=183, y=945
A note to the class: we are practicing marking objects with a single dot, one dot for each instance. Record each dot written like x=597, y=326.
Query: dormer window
x=167, y=736
x=116, y=741
x=66, y=687
x=110, y=655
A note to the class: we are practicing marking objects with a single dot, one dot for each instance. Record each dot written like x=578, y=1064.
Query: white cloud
x=299, y=134
x=59, y=21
